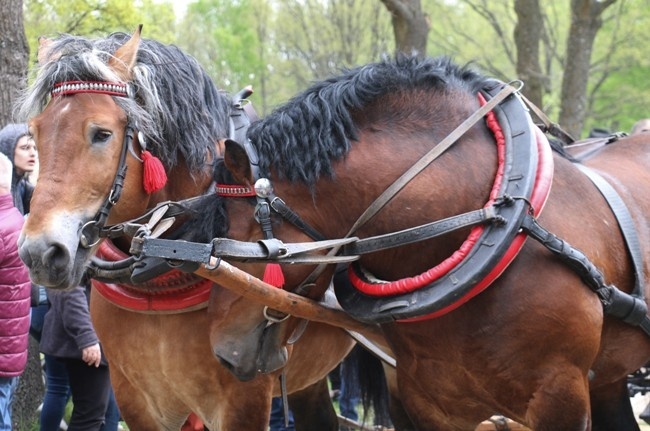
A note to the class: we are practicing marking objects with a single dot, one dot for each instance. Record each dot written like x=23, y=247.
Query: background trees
x=579, y=59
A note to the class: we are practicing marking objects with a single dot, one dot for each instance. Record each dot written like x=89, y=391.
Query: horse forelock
x=177, y=107
x=302, y=138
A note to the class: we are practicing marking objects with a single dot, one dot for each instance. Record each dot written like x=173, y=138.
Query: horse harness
x=509, y=210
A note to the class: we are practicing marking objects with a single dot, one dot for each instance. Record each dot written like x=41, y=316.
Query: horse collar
x=524, y=175
x=174, y=291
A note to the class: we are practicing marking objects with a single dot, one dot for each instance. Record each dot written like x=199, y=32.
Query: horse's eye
x=101, y=136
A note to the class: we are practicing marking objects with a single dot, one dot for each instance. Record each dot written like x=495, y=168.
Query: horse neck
x=458, y=182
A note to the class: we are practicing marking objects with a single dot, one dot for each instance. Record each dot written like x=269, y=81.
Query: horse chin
x=273, y=355
x=261, y=351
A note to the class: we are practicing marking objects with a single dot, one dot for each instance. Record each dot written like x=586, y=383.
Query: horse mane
x=302, y=138
x=177, y=106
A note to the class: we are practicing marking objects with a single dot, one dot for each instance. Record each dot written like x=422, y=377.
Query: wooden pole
x=253, y=288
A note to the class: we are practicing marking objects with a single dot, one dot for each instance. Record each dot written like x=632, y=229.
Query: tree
x=98, y=18
x=410, y=25
x=528, y=36
x=14, y=53
x=586, y=20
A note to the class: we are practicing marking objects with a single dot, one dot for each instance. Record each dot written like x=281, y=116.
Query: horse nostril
x=56, y=257
x=26, y=258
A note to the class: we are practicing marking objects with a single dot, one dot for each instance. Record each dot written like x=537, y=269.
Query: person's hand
x=92, y=355
x=6, y=170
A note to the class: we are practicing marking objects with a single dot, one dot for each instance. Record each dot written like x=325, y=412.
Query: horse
x=123, y=124
x=500, y=276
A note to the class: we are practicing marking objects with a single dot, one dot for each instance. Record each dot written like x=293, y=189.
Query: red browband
x=72, y=87
x=235, y=191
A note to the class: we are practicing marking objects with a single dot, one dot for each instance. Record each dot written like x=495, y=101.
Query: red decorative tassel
x=154, y=177
x=273, y=275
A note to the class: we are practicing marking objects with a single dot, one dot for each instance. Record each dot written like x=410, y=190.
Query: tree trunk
x=528, y=35
x=29, y=394
x=14, y=55
x=586, y=20
x=410, y=26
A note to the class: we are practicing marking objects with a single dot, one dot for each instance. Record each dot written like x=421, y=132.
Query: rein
x=630, y=308
x=266, y=200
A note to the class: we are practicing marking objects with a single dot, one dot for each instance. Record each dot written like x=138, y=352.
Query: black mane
x=301, y=138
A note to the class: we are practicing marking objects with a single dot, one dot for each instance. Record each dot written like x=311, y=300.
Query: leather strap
x=625, y=222
x=622, y=305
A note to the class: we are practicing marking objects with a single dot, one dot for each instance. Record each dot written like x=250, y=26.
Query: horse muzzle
x=54, y=259
x=260, y=351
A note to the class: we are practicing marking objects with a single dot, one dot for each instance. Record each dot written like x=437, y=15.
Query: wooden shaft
x=253, y=288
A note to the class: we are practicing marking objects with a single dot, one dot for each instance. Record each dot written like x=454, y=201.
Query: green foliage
x=221, y=35
x=96, y=18
x=279, y=47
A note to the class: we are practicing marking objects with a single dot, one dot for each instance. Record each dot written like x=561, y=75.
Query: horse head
x=247, y=337
x=303, y=151
x=111, y=121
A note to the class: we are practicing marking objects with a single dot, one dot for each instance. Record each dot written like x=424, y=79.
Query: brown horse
x=482, y=318
x=106, y=115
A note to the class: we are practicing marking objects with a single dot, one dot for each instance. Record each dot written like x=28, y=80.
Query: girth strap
x=624, y=219
x=630, y=309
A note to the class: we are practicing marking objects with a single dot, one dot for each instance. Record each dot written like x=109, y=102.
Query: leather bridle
x=92, y=231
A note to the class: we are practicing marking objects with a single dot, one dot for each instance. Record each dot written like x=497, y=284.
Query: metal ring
x=210, y=267
x=273, y=319
x=83, y=238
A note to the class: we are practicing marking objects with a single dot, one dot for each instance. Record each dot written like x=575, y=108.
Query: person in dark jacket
x=69, y=337
x=15, y=287
x=19, y=147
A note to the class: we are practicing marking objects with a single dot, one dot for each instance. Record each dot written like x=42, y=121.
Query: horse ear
x=126, y=55
x=237, y=162
x=44, y=47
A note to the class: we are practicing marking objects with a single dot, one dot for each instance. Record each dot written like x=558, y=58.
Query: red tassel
x=273, y=275
x=154, y=177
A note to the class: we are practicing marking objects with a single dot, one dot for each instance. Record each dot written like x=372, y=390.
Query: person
x=15, y=297
x=276, y=420
x=641, y=126
x=19, y=147
x=69, y=337
x=349, y=396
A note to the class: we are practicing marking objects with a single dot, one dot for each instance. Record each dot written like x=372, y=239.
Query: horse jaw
x=245, y=346
x=246, y=355
x=53, y=255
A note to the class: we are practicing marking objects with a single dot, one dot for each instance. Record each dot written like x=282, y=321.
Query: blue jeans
x=57, y=394
x=276, y=422
x=112, y=417
x=7, y=390
x=349, y=396
x=37, y=319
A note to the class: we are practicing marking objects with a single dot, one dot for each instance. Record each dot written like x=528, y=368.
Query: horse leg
x=399, y=417
x=611, y=409
x=312, y=408
x=561, y=402
x=135, y=408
